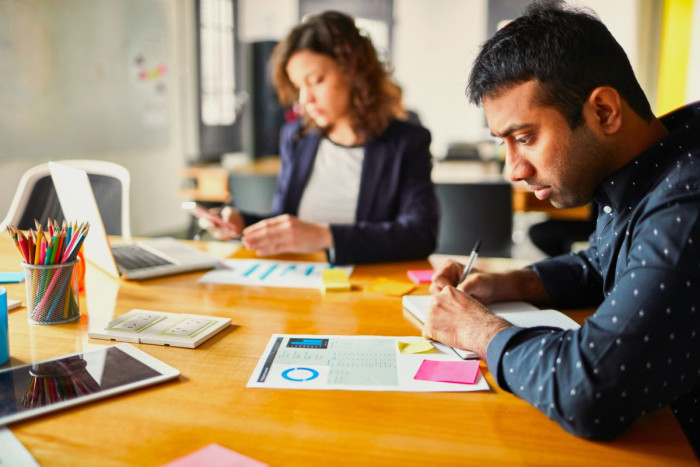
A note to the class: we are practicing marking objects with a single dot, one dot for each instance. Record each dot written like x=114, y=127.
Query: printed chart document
x=359, y=363
x=519, y=313
x=270, y=273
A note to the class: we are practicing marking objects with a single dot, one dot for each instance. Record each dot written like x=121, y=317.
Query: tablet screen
x=48, y=385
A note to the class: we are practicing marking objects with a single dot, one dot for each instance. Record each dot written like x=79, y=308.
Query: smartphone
x=198, y=211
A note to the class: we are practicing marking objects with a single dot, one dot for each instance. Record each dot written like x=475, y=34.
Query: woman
x=354, y=179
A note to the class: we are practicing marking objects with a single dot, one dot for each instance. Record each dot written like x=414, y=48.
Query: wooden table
x=210, y=403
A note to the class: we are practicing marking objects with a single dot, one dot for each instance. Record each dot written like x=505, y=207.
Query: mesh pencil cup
x=52, y=293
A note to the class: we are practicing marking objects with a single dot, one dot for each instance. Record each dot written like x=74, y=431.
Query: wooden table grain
x=210, y=403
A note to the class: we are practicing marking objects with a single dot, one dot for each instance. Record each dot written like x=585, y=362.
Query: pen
x=472, y=257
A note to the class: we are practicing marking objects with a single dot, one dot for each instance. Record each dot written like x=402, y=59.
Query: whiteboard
x=83, y=76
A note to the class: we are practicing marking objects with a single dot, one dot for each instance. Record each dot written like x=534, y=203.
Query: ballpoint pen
x=472, y=257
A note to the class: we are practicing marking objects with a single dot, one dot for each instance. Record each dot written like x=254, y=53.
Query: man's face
x=556, y=162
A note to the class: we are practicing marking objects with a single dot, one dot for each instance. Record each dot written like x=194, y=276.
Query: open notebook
x=138, y=260
x=519, y=313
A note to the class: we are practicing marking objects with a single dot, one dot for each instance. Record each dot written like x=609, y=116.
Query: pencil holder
x=52, y=293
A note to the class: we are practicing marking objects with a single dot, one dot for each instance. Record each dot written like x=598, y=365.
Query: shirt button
x=607, y=209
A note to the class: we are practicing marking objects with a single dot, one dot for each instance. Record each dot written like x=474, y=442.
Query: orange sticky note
x=390, y=287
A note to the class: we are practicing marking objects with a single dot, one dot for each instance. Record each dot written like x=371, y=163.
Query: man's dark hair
x=568, y=51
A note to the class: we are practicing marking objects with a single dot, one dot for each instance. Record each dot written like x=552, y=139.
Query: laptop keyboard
x=131, y=257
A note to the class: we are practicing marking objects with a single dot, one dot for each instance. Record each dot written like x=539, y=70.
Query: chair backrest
x=472, y=211
x=253, y=192
x=36, y=197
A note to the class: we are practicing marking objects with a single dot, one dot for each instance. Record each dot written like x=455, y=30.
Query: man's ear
x=605, y=109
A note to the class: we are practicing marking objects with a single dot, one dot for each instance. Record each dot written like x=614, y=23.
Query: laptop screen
x=78, y=204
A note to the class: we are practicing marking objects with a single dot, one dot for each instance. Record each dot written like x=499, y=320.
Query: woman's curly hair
x=375, y=98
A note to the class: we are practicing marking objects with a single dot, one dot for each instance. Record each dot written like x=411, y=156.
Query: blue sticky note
x=11, y=277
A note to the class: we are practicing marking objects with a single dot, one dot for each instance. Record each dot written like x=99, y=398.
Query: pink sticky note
x=420, y=276
x=464, y=372
x=214, y=455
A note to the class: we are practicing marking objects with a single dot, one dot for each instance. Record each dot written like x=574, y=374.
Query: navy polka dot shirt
x=640, y=351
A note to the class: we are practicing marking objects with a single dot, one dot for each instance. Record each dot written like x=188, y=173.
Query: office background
x=116, y=80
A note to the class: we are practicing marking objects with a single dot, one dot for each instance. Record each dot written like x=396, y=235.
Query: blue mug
x=4, y=332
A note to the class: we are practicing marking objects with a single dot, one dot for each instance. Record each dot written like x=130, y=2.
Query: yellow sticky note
x=415, y=346
x=335, y=280
x=391, y=287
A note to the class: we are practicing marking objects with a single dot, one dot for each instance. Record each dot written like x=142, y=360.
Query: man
x=560, y=92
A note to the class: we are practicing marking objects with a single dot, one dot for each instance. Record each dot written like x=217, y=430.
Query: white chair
x=36, y=197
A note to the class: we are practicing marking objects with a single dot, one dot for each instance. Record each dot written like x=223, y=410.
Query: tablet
x=41, y=387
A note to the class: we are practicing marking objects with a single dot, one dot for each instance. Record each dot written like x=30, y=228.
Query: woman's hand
x=229, y=226
x=286, y=234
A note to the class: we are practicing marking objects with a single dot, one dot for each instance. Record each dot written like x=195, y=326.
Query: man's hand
x=460, y=321
x=448, y=274
x=286, y=234
x=478, y=284
x=521, y=284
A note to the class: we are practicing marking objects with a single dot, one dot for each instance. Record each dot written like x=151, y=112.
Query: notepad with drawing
x=519, y=313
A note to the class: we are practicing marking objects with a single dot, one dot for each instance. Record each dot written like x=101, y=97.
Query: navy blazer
x=397, y=210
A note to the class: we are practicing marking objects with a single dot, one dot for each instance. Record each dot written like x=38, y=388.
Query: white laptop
x=132, y=260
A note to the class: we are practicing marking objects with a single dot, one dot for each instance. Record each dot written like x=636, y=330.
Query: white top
x=334, y=184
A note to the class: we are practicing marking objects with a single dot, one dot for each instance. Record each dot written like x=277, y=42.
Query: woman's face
x=324, y=90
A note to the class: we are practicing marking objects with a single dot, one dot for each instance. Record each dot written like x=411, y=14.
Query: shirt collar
x=627, y=186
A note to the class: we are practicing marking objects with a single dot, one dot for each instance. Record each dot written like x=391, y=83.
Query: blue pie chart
x=300, y=374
